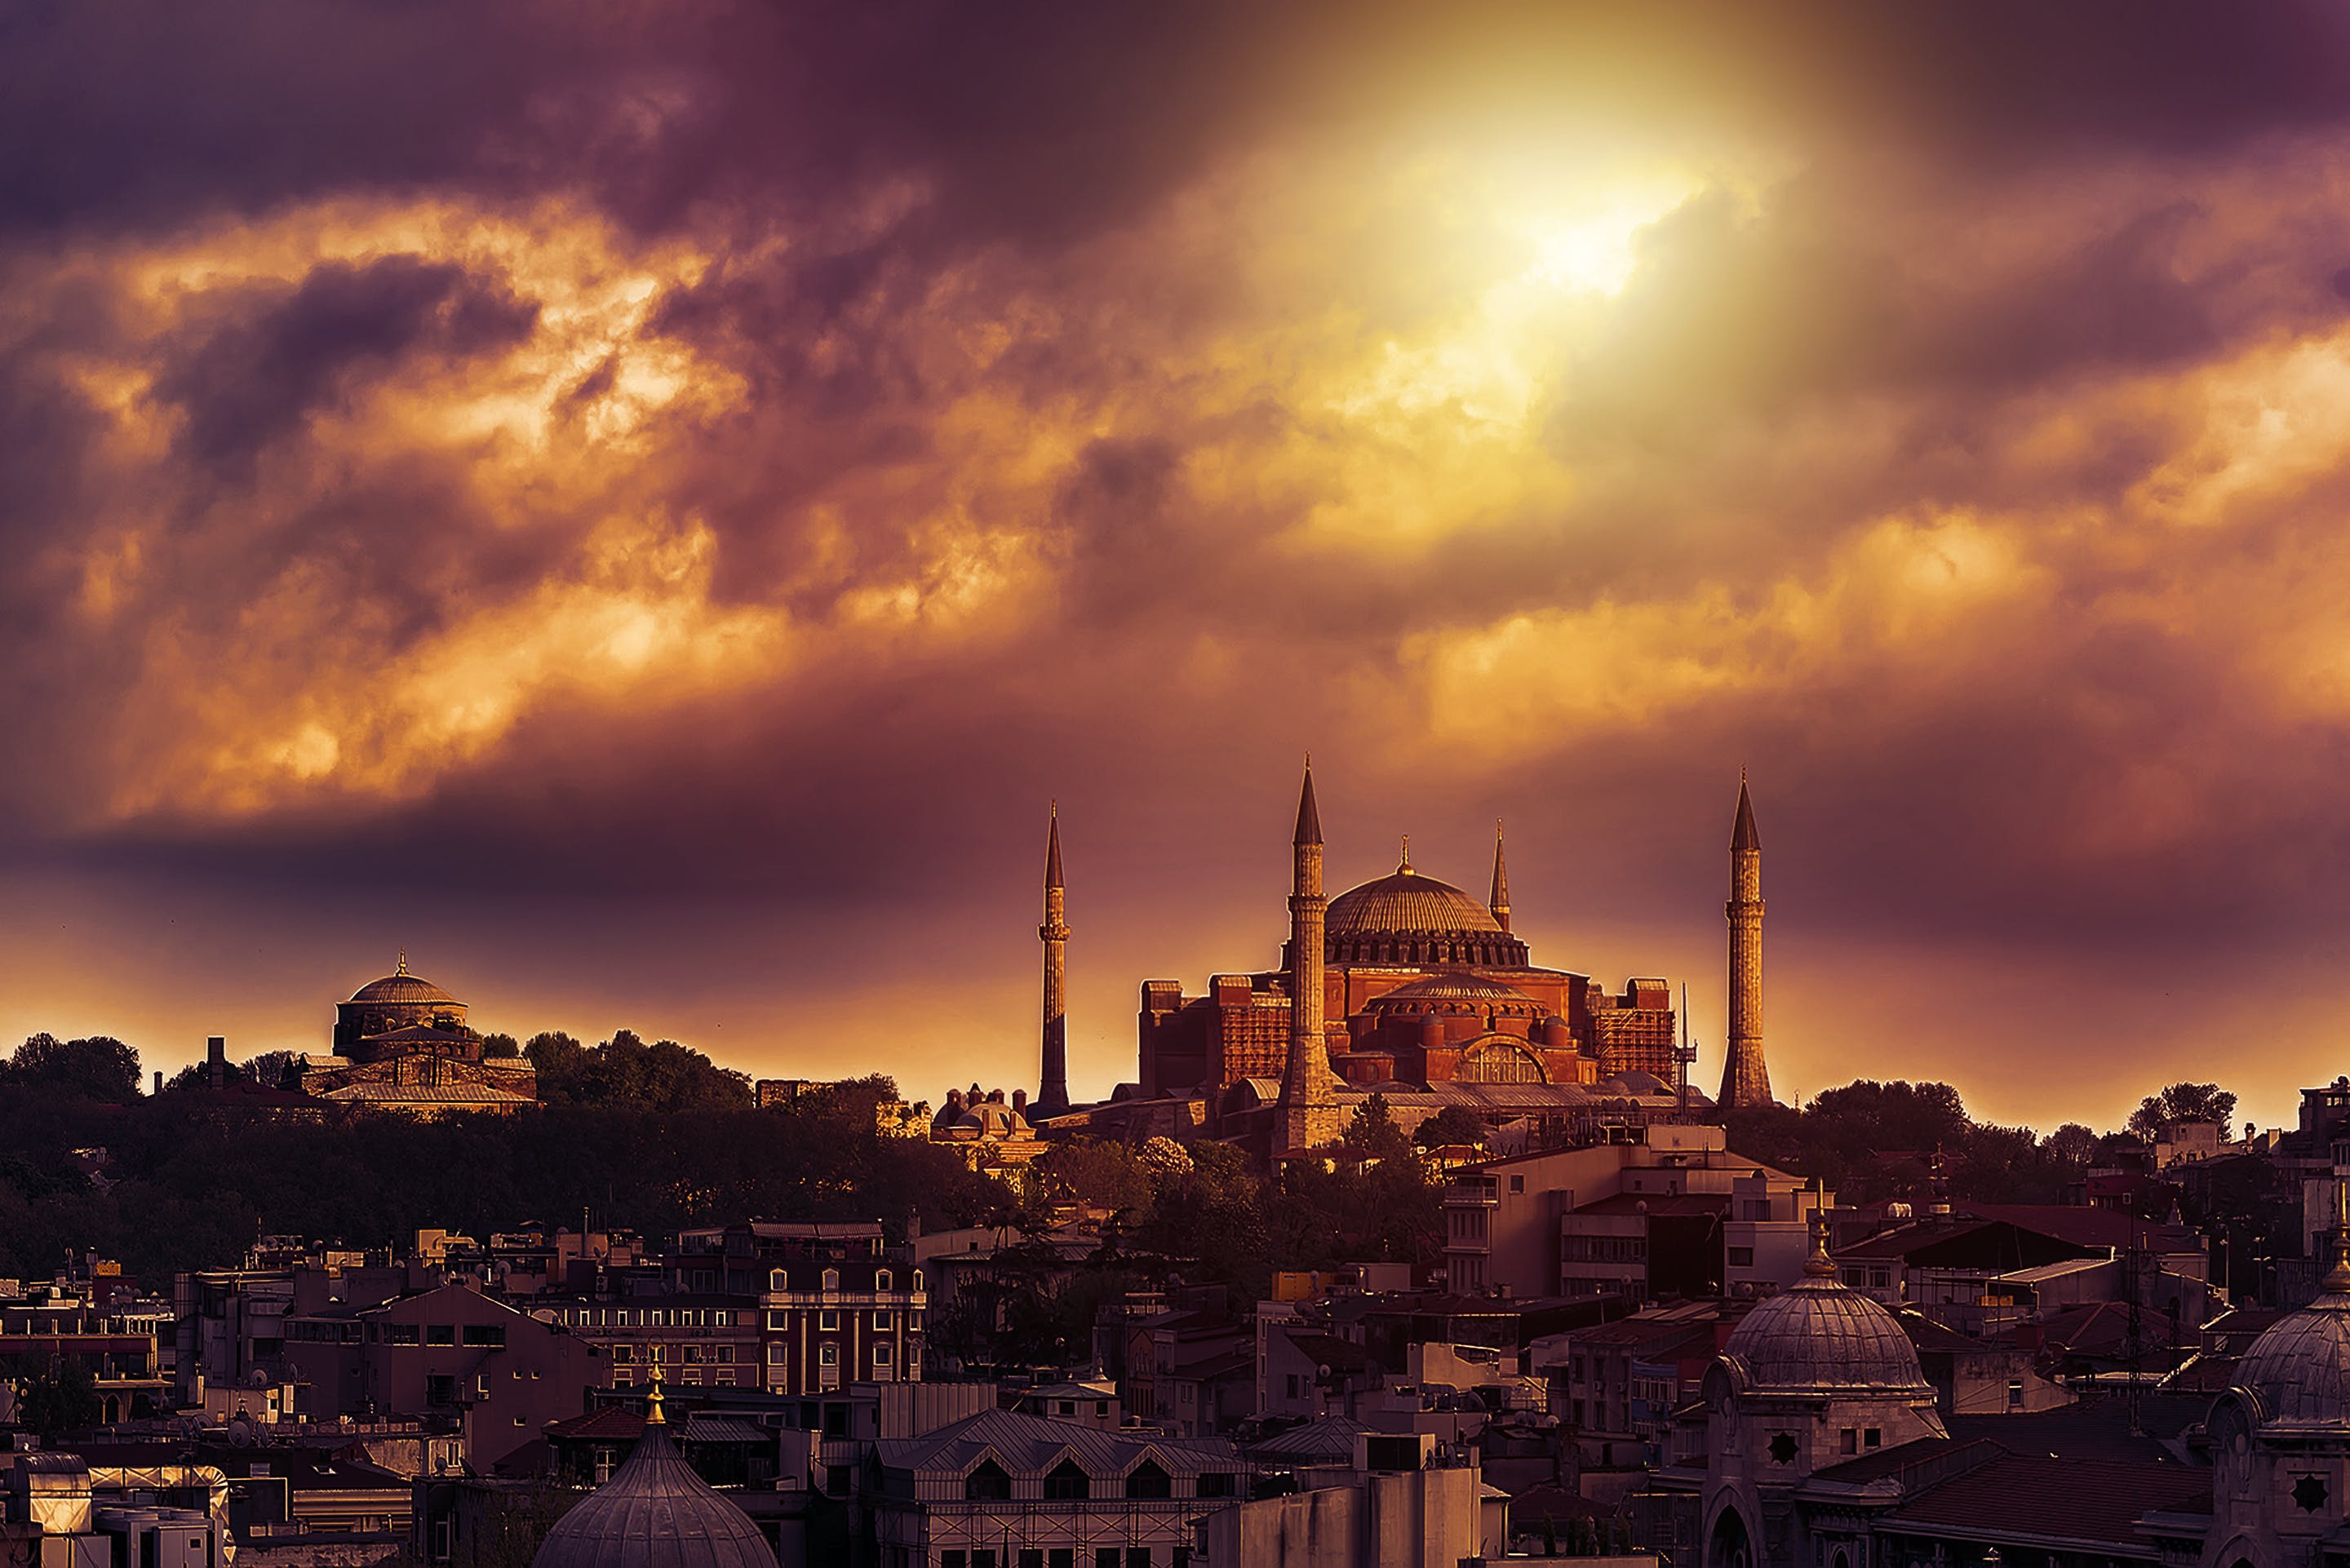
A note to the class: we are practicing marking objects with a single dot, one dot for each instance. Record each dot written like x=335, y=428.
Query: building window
x=778, y=1354
x=489, y=1334
x=1148, y=1480
x=832, y=1278
x=1741, y=1257
x=1066, y=1482
x=881, y=1280
x=1517, y=1184
x=1874, y=1438
x=880, y=1355
x=778, y=1281
x=1850, y=1440
x=1032, y=1557
x=1138, y=1557
x=827, y=1355
x=827, y=1321
x=1216, y=1483
x=439, y=1333
x=951, y=1559
x=987, y=1483
x=881, y=1322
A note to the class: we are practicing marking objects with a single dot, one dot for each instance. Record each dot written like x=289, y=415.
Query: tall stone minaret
x=1053, y=1086
x=1499, y=902
x=1746, y=1081
x=1307, y=1114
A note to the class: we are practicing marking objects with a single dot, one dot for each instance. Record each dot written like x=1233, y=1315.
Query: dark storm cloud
x=282, y=352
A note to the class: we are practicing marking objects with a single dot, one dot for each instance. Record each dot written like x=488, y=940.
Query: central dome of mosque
x=1406, y=901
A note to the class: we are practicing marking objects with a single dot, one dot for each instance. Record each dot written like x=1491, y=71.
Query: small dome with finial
x=2298, y=1370
x=655, y=1512
x=1821, y=1335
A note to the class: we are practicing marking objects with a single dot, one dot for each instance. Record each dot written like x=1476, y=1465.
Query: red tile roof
x=2076, y=1501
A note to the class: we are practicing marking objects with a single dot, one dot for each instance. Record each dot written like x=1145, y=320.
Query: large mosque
x=1411, y=988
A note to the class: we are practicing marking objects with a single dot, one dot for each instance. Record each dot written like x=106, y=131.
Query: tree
x=2071, y=1146
x=496, y=1047
x=1452, y=1124
x=1373, y=1134
x=2183, y=1103
x=99, y=1068
x=54, y=1394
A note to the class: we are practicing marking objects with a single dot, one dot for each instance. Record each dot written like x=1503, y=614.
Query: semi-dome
x=1820, y=1336
x=654, y=1512
x=1453, y=986
x=2299, y=1368
x=1406, y=901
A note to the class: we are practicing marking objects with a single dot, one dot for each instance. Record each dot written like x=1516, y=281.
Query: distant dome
x=1455, y=987
x=401, y=988
x=2299, y=1368
x=654, y=1512
x=1406, y=901
x=1820, y=1335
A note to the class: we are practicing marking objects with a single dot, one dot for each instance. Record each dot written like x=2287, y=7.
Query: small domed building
x=1809, y=1378
x=655, y=1512
x=402, y=1043
x=2280, y=1434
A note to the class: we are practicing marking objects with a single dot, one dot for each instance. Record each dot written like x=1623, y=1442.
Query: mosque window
x=2309, y=1494
x=1783, y=1448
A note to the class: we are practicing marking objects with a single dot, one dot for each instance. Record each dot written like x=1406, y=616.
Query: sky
x=644, y=505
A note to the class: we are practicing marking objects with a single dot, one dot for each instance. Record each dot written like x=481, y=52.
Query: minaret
x=1307, y=1115
x=1499, y=902
x=1746, y=1081
x=1053, y=1085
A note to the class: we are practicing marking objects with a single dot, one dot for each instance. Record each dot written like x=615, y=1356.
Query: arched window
x=988, y=1483
x=881, y=1280
x=832, y=1278
x=1064, y=1482
x=1147, y=1480
x=917, y=1283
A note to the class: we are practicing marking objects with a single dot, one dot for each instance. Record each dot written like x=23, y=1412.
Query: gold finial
x=1819, y=1265
x=1405, y=866
x=653, y=1417
x=1055, y=809
x=403, y=963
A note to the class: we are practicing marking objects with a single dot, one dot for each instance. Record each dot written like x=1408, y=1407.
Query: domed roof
x=1404, y=900
x=1820, y=1335
x=401, y=987
x=654, y=1512
x=2299, y=1368
x=1453, y=986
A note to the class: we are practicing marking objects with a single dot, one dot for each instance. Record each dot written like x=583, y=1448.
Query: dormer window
x=778, y=1281
x=832, y=1278
x=881, y=1280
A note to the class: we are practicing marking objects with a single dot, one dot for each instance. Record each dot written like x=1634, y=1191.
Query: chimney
x=159, y=1080
x=217, y=1061
x=1019, y=1102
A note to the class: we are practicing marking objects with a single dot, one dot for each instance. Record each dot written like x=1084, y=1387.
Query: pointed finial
x=1499, y=900
x=1309, y=815
x=1052, y=848
x=653, y=1417
x=1743, y=834
x=403, y=963
x=1819, y=1265
x=1405, y=866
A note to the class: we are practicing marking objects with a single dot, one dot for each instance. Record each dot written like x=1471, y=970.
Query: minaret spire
x=1053, y=1080
x=1745, y=1080
x=1306, y=1116
x=1499, y=902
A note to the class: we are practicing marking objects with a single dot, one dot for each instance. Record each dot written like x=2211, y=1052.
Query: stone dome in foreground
x=2298, y=1370
x=1820, y=1336
x=655, y=1512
